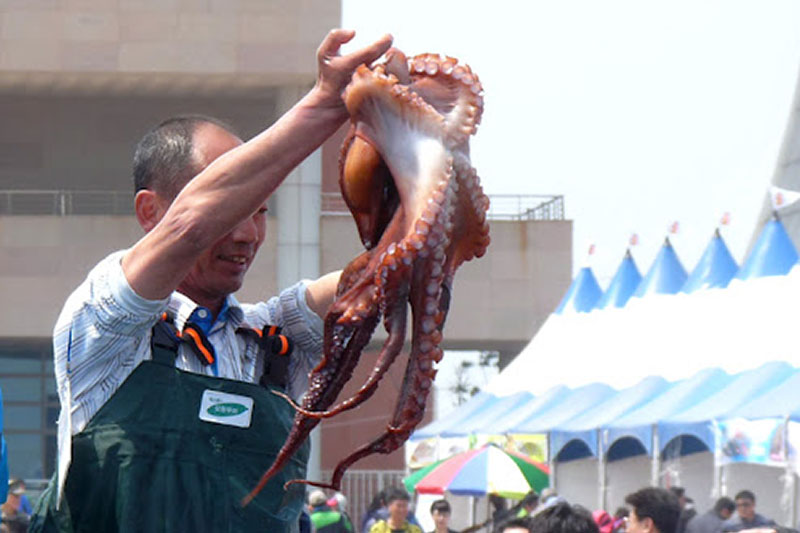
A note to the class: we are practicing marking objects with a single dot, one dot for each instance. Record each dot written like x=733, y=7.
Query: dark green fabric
x=146, y=462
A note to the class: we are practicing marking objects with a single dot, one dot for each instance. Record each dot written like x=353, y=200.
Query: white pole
x=602, y=474
x=655, y=468
x=718, y=491
x=551, y=461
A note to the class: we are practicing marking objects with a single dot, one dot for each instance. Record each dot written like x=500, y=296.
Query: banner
x=752, y=441
x=531, y=445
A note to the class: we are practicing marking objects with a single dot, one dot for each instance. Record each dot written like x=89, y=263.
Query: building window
x=30, y=407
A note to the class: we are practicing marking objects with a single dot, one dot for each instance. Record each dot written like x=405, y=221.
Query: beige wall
x=165, y=36
x=498, y=301
x=42, y=259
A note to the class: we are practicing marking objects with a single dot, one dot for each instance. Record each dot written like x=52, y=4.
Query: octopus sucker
x=405, y=174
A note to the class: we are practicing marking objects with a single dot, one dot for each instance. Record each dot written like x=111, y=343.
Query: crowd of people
x=648, y=510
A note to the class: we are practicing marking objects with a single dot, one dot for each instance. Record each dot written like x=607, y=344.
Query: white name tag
x=228, y=409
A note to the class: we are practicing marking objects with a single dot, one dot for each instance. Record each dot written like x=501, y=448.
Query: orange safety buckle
x=198, y=342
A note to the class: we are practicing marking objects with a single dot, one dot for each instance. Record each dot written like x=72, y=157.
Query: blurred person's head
x=563, y=518
x=440, y=512
x=397, y=502
x=679, y=493
x=745, y=505
x=653, y=510
x=724, y=507
x=530, y=501
x=515, y=525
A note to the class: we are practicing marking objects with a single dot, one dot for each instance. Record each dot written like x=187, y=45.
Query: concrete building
x=82, y=80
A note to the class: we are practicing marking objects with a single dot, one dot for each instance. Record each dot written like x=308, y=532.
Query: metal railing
x=360, y=486
x=501, y=206
x=65, y=203
x=96, y=202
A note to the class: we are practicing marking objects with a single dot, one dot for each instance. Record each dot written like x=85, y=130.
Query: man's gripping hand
x=335, y=71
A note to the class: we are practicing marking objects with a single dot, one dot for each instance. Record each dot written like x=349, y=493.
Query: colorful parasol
x=485, y=470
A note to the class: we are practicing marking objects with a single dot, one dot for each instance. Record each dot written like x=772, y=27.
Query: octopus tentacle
x=420, y=211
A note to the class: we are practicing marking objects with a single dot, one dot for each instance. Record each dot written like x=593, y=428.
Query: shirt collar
x=185, y=309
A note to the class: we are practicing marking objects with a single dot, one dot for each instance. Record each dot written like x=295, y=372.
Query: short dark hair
x=723, y=504
x=514, y=522
x=442, y=506
x=396, y=493
x=746, y=495
x=530, y=498
x=679, y=492
x=659, y=505
x=164, y=158
x=563, y=518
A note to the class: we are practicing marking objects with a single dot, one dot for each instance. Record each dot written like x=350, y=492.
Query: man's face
x=441, y=519
x=220, y=269
x=746, y=508
x=639, y=525
x=398, y=510
x=725, y=513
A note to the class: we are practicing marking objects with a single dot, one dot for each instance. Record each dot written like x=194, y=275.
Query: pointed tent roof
x=666, y=274
x=583, y=293
x=473, y=406
x=623, y=285
x=744, y=387
x=480, y=420
x=584, y=427
x=716, y=267
x=581, y=399
x=780, y=402
x=688, y=392
x=772, y=255
x=550, y=399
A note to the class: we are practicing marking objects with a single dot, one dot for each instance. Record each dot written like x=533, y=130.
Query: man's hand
x=335, y=71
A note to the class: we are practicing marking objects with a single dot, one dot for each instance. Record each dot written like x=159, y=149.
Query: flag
x=781, y=197
x=591, y=249
x=634, y=240
x=673, y=228
x=726, y=219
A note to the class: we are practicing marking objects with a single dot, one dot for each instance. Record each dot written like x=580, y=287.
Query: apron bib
x=174, y=451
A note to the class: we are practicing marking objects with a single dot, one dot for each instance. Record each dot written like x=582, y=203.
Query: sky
x=639, y=113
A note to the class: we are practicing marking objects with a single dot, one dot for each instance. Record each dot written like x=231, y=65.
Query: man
x=711, y=522
x=167, y=417
x=687, y=508
x=653, y=510
x=12, y=517
x=528, y=504
x=323, y=517
x=515, y=525
x=562, y=517
x=397, y=501
x=746, y=515
x=440, y=512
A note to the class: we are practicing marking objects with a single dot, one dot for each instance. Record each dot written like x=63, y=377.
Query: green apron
x=147, y=462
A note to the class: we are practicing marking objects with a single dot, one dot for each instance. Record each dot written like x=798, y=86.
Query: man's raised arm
x=235, y=185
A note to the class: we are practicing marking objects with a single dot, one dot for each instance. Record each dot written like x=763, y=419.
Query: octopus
x=406, y=176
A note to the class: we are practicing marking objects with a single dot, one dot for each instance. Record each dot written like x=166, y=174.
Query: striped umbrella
x=485, y=470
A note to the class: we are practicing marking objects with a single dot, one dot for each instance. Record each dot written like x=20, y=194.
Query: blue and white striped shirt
x=104, y=332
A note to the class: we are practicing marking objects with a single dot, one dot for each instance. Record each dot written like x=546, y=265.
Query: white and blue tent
x=582, y=294
x=628, y=394
x=716, y=267
x=624, y=283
